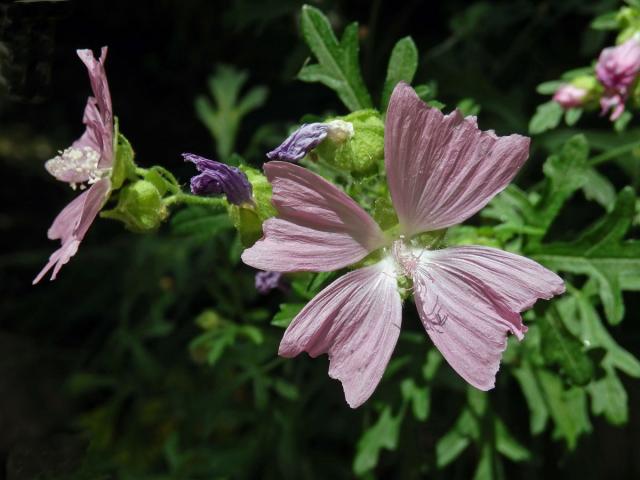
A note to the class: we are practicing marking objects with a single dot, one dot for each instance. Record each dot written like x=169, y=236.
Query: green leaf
x=606, y=21
x=602, y=254
x=224, y=116
x=534, y=396
x=419, y=397
x=456, y=440
x=572, y=116
x=568, y=408
x=595, y=334
x=566, y=173
x=382, y=434
x=509, y=446
x=560, y=347
x=200, y=222
x=547, y=117
x=609, y=398
x=338, y=65
x=403, y=64
x=598, y=188
x=549, y=88
x=287, y=313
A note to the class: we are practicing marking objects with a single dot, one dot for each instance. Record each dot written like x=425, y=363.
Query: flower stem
x=614, y=152
x=185, y=198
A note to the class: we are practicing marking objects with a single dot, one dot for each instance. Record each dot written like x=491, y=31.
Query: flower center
x=77, y=165
x=406, y=256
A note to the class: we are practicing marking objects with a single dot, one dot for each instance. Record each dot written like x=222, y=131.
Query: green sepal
x=363, y=153
x=124, y=165
x=140, y=207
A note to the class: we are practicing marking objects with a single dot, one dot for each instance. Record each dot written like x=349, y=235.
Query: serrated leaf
x=561, y=348
x=602, y=254
x=547, y=117
x=338, y=65
x=403, y=64
x=382, y=434
x=418, y=397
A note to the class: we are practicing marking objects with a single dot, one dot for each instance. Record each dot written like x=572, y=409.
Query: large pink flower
x=440, y=170
x=87, y=161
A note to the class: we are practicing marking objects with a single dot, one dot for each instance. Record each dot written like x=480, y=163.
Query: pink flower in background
x=441, y=170
x=87, y=161
x=569, y=96
x=617, y=69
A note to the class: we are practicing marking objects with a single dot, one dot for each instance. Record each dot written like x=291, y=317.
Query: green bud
x=363, y=153
x=248, y=218
x=140, y=207
x=124, y=166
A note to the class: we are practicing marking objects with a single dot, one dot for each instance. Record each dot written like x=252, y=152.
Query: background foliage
x=152, y=357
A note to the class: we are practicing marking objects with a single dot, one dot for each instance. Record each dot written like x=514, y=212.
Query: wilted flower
x=617, y=69
x=308, y=137
x=87, y=161
x=569, y=96
x=440, y=170
x=217, y=178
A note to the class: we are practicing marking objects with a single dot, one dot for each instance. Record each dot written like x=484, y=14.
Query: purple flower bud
x=267, y=281
x=308, y=137
x=217, y=178
x=569, y=96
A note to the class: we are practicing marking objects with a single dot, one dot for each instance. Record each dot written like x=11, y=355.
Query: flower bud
x=217, y=178
x=140, y=207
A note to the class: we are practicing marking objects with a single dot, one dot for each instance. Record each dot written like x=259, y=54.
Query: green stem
x=613, y=153
x=185, y=198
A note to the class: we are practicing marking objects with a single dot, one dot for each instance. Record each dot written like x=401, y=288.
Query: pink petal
x=443, y=169
x=356, y=320
x=72, y=223
x=469, y=298
x=100, y=88
x=319, y=227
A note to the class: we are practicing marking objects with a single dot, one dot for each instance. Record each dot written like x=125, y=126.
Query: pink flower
x=87, y=161
x=617, y=69
x=569, y=96
x=440, y=170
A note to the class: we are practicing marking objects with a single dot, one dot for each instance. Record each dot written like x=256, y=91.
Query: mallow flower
x=441, y=169
x=88, y=161
x=617, y=69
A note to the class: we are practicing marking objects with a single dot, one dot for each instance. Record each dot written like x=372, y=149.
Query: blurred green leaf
x=287, y=313
x=403, y=64
x=223, y=117
x=609, y=398
x=508, y=446
x=547, y=117
x=382, y=434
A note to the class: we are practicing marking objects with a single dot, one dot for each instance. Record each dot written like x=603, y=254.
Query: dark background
x=160, y=55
